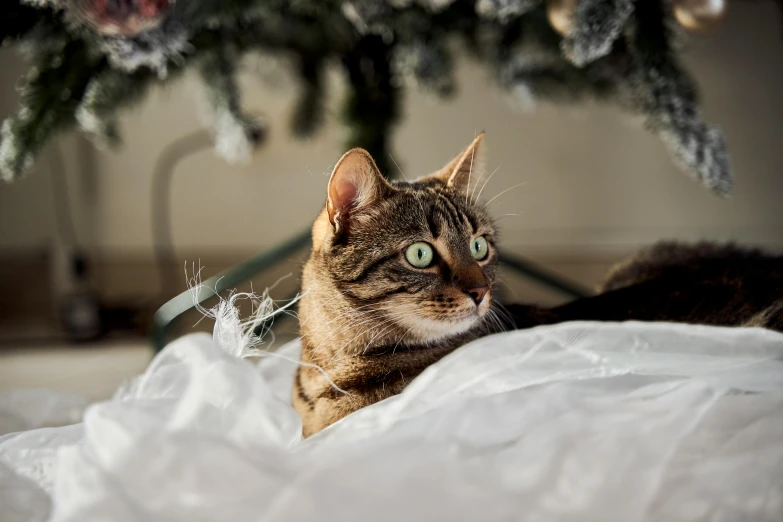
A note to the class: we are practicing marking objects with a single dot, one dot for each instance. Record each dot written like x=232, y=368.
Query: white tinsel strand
x=523, y=96
x=54, y=4
x=427, y=64
x=432, y=5
x=101, y=129
x=701, y=152
x=13, y=162
x=504, y=10
x=236, y=135
x=372, y=16
x=367, y=17
x=597, y=24
x=234, y=335
x=231, y=137
x=435, y=5
x=152, y=49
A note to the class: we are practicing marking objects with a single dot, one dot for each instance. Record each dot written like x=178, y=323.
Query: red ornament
x=124, y=17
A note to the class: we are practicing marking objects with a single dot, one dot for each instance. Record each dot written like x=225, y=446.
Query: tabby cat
x=401, y=274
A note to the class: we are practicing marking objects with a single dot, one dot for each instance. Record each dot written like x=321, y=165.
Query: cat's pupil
x=420, y=253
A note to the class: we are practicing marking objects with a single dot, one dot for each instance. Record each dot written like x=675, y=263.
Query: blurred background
x=594, y=187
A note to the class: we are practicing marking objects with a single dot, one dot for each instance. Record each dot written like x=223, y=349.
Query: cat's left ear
x=356, y=183
x=466, y=168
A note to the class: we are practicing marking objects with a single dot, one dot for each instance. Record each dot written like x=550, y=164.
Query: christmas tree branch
x=613, y=50
x=50, y=94
x=668, y=98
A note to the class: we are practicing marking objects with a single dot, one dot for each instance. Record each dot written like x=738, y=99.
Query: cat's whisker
x=369, y=343
x=485, y=184
x=501, y=326
x=507, y=315
x=366, y=330
x=316, y=312
x=352, y=323
x=510, y=188
x=398, y=343
x=398, y=168
x=337, y=303
x=342, y=327
x=470, y=172
x=309, y=365
x=475, y=185
x=496, y=318
x=486, y=322
x=334, y=302
x=355, y=321
x=490, y=321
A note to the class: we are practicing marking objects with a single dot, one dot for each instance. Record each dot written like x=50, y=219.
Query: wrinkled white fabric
x=575, y=422
x=30, y=408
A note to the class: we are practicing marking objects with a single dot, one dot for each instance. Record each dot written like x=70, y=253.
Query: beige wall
x=594, y=180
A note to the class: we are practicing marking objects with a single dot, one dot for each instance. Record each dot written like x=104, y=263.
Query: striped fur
x=366, y=306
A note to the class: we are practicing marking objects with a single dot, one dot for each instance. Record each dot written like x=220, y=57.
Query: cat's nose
x=477, y=293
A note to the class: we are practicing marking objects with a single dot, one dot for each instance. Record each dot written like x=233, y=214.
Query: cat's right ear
x=356, y=183
x=466, y=168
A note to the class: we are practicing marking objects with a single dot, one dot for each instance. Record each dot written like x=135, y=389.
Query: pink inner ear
x=355, y=180
x=345, y=192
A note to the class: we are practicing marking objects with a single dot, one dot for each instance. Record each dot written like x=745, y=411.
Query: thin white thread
x=262, y=353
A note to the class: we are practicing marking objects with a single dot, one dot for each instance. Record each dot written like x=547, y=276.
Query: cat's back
x=705, y=262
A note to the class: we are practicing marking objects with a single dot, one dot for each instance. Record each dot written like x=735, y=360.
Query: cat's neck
x=334, y=329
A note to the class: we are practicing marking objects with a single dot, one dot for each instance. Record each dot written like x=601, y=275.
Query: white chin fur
x=426, y=330
x=429, y=330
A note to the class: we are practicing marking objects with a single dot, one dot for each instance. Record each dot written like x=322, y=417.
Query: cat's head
x=421, y=254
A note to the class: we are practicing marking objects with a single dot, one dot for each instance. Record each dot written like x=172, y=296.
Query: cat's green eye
x=479, y=248
x=419, y=255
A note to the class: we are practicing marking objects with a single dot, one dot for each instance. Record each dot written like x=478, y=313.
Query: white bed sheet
x=580, y=421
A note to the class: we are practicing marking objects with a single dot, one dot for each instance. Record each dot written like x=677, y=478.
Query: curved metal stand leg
x=532, y=271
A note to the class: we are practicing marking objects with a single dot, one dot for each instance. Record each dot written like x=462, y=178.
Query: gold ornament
x=560, y=14
x=699, y=15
